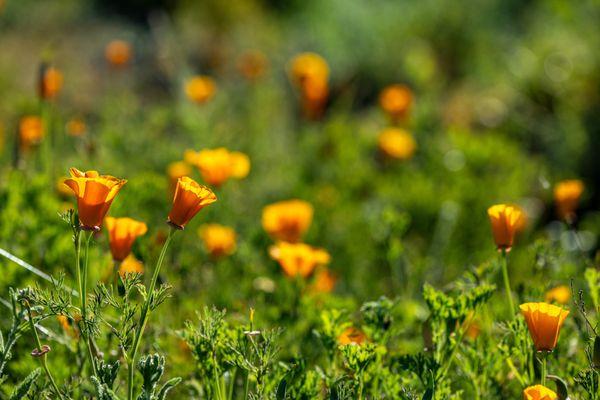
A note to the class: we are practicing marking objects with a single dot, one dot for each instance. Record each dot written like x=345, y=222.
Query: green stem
x=83, y=294
x=144, y=315
x=507, y=284
x=43, y=359
x=544, y=367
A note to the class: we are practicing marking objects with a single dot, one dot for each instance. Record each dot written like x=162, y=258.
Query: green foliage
x=23, y=388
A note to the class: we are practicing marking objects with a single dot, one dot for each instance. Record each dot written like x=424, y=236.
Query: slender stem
x=43, y=359
x=83, y=293
x=247, y=385
x=544, y=367
x=116, y=277
x=507, y=284
x=144, y=315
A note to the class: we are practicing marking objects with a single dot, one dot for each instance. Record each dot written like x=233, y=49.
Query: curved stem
x=43, y=360
x=144, y=315
x=507, y=284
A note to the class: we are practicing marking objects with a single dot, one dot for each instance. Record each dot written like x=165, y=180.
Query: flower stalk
x=507, y=283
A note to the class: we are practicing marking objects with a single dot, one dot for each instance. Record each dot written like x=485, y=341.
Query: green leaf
x=281, y=390
x=170, y=384
x=23, y=388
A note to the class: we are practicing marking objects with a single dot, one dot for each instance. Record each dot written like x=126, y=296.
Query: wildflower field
x=319, y=199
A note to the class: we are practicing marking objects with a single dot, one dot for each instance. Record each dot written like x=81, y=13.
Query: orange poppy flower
x=200, y=89
x=67, y=326
x=397, y=143
x=539, y=392
x=218, y=240
x=324, y=281
x=396, y=101
x=95, y=193
x=505, y=222
x=130, y=265
x=76, y=127
x=190, y=197
x=31, y=131
x=287, y=220
x=122, y=232
x=310, y=73
x=566, y=196
x=118, y=53
x=560, y=294
x=351, y=336
x=176, y=170
x=51, y=82
x=218, y=165
x=252, y=64
x=544, y=322
x=298, y=258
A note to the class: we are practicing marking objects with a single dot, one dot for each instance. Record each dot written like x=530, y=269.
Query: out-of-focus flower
x=51, y=82
x=122, y=232
x=396, y=101
x=218, y=240
x=190, y=197
x=176, y=170
x=95, y=193
x=252, y=64
x=544, y=322
x=473, y=329
x=397, y=143
x=505, y=221
x=76, y=127
x=62, y=188
x=67, y=326
x=131, y=265
x=539, y=392
x=218, y=165
x=566, y=196
x=352, y=336
x=560, y=294
x=31, y=131
x=310, y=73
x=298, y=258
x=118, y=53
x=287, y=220
x=324, y=281
x=200, y=89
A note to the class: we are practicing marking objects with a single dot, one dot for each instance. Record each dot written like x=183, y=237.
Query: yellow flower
x=252, y=64
x=298, y=258
x=190, y=197
x=566, y=197
x=218, y=240
x=95, y=193
x=544, y=322
x=218, y=165
x=287, y=220
x=308, y=67
x=200, y=89
x=131, y=265
x=352, y=336
x=62, y=188
x=67, y=326
x=76, y=127
x=118, y=53
x=560, y=294
x=51, y=82
x=397, y=143
x=31, y=131
x=396, y=101
x=122, y=233
x=539, y=392
x=505, y=222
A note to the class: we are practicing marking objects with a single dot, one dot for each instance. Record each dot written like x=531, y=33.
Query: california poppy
x=252, y=64
x=544, y=322
x=352, y=336
x=505, y=222
x=130, y=265
x=566, y=196
x=51, y=82
x=539, y=392
x=122, y=233
x=298, y=258
x=31, y=131
x=397, y=143
x=287, y=220
x=310, y=74
x=560, y=294
x=118, y=53
x=190, y=197
x=218, y=240
x=176, y=170
x=396, y=101
x=95, y=193
x=218, y=165
x=324, y=281
x=200, y=89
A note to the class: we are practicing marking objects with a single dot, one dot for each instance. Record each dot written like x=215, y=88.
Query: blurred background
x=505, y=105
